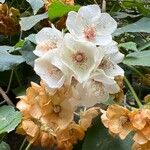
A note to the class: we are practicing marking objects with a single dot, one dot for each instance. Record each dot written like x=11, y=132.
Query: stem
x=22, y=145
x=10, y=80
x=144, y=46
x=139, y=73
x=28, y=146
x=3, y=102
x=6, y=98
x=133, y=92
x=2, y=138
x=95, y=2
x=103, y=5
x=19, y=82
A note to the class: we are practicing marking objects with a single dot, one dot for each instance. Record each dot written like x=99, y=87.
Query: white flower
x=47, y=39
x=80, y=57
x=111, y=50
x=91, y=25
x=109, y=62
x=97, y=89
x=51, y=70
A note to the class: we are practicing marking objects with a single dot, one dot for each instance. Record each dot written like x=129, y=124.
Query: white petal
x=100, y=76
x=111, y=50
x=44, y=47
x=75, y=24
x=47, y=39
x=112, y=88
x=106, y=25
x=48, y=34
x=110, y=68
x=89, y=13
x=102, y=39
x=92, y=93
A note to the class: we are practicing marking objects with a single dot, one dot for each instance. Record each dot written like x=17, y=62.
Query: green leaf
x=98, y=138
x=57, y=9
x=28, y=22
x=144, y=46
x=6, y=48
x=2, y=1
x=129, y=46
x=19, y=44
x=138, y=58
x=9, y=119
x=9, y=61
x=143, y=25
x=31, y=38
x=19, y=91
x=4, y=146
x=27, y=52
x=36, y=5
x=139, y=5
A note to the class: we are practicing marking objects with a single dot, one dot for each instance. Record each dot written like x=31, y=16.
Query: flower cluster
x=9, y=20
x=67, y=2
x=122, y=121
x=85, y=58
x=48, y=119
x=78, y=68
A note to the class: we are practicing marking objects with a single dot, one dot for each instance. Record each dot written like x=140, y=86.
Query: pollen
x=57, y=109
x=79, y=58
x=54, y=72
x=90, y=33
x=123, y=120
x=48, y=45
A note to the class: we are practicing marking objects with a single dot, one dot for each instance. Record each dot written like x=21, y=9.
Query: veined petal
x=100, y=76
x=112, y=88
x=47, y=39
x=111, y=50
x=47, y=34
x=102, y=39
x=106, y=25
x=75, y=24
x=110, y=68
x=91, y=93
x=90, y=12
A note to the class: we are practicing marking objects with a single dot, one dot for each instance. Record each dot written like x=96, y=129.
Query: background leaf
x=143, y=25
x=129, y=46
x=4, y=146
x=28, y=22
x=57, y=9
x=9, y=61
x=9, y=119
x=98, y=138
x=27, y=52
x=36, y=5
x=138, y=58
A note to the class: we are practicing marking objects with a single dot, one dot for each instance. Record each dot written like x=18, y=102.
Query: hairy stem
x=133, y=92
x=6, y=98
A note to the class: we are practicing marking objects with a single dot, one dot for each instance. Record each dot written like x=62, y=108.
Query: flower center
x=90, y=33
x=79, y=58
x=55, y=72
x=57, y=109
x=48, y=45
x=106, y=64
x=123, y=120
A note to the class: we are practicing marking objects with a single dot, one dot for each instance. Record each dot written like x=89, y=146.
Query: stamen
x=90, y=33
x=57, y=109
x=79, y=58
